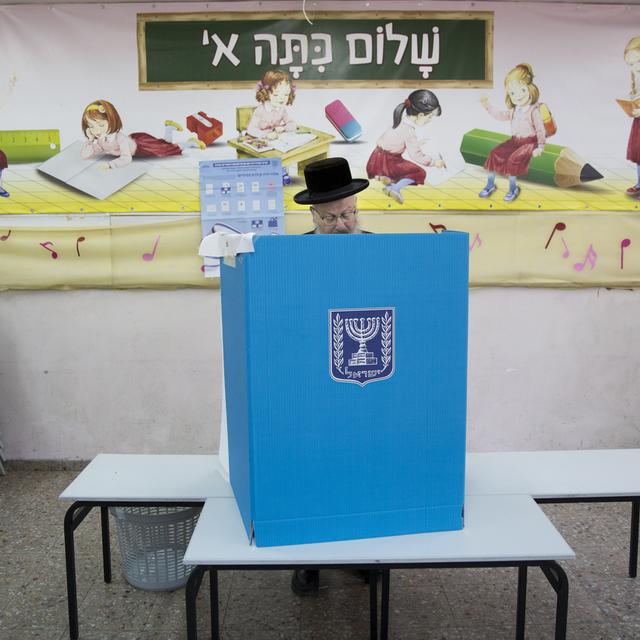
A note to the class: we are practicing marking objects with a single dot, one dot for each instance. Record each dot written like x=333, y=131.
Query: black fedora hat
x=328, y=180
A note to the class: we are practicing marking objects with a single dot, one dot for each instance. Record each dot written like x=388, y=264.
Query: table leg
x=213, y=604
x=633, y=547
x=75, y=514
x=384, y=604
x=558, y=579
x=191, y=593
x=521, y=607
x=106, y=544
x=373, y=605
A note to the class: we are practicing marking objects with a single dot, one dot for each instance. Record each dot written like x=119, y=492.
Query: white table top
x=541, y=474
x=555, y=474
x=497, y=528
x=148, y=478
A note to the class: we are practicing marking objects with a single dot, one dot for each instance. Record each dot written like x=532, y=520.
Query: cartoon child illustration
x=632, y=58
x=270, y=118
x=102, y=126
x=4, y=164
x=512, y=157
x=386, y=162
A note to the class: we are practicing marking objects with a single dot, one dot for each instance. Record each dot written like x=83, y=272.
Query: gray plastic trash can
x=153, y=541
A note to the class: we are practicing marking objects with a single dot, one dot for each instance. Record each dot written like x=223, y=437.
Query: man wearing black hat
x=331, y=192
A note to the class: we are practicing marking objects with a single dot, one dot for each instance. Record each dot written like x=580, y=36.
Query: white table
x=133, y=480
x=606, y=475
x=500, y=530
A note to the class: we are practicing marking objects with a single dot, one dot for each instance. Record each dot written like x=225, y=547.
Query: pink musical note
x=150, y=256
x=591, y=258
x=437, y=227
x=6, y=237
x=78, y=241
x=560, y=226
x=477, y=239
x=623, y=244
x=566, y=253
x=54, y=254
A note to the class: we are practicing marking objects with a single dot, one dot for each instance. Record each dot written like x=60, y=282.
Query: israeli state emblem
x=361, y=344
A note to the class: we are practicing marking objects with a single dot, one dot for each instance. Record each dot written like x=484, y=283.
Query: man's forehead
x=337, y=206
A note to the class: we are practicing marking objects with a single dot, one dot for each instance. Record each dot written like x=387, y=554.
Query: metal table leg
x=373, y=605
x=558, y=579
x=633, y=547
x=384, y=604
x=75, y=514
x=213, y=604
x=106, y=543
x=521, y=607
x=191, y=594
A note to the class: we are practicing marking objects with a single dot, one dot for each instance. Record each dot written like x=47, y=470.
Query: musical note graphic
x=54, y=254
x=566, y=253
x=623, y=245
x=477, y=239
x=435, y=227
x=6, y=237
x=591, y=258
x=560, y=226
x=78, y=241
x=150, y=256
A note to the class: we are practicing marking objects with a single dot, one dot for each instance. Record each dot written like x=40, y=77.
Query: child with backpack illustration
x=531, y=124
x=632, y=58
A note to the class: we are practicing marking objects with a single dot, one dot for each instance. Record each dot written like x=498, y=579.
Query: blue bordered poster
x=240, y=196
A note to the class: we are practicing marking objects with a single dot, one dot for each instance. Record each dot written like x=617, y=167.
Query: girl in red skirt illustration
x=102, y=126
x=4, y=163
x=512, y=157
x=632, y=58
x=387, y=163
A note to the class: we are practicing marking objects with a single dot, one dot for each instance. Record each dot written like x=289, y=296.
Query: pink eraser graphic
x=338, y=113
x=342, y=119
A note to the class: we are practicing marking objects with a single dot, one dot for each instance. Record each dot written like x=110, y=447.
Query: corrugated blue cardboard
x=322, y=445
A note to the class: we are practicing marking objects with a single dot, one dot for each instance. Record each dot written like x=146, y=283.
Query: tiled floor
x=604, y=603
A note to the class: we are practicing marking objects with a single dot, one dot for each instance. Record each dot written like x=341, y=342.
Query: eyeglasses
x=330, y=219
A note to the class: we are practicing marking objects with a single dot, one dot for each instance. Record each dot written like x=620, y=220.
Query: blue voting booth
x=345, y=361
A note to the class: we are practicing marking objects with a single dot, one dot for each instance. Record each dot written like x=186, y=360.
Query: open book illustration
x=286, y=142
x=629, y=105
x=87, y=176
x=257, y=144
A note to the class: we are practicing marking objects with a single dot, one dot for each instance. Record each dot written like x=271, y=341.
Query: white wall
x=83, y=372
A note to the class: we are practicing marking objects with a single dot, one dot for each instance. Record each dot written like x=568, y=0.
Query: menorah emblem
x=361, y=330
x=368, y=335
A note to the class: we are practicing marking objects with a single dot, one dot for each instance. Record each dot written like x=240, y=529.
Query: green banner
x=228, y=50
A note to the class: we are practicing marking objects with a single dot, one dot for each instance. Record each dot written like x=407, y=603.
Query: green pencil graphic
x=30, y=145
x=557, y=166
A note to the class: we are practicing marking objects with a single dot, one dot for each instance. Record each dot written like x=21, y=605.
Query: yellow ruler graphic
x=30, y=145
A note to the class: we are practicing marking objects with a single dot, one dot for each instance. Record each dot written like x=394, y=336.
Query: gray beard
x=356, y=230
